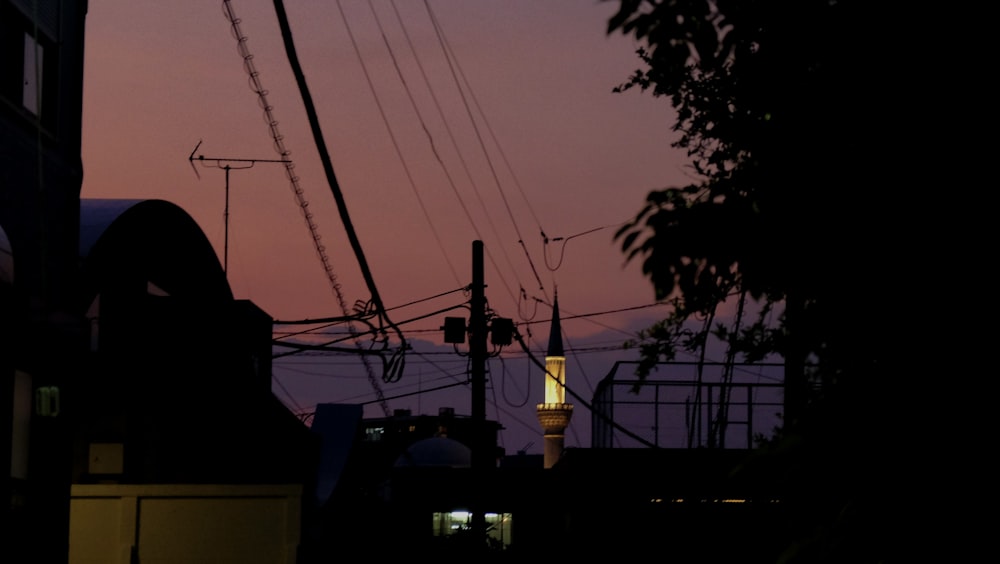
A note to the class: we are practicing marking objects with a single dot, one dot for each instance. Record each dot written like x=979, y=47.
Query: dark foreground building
x=404, y=486
x=42, y=340
x=106, y=401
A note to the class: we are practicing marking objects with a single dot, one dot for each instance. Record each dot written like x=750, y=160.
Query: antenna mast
x=224, y=164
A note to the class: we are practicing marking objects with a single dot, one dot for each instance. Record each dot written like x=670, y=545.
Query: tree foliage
x=788, y=111
x=773, y=103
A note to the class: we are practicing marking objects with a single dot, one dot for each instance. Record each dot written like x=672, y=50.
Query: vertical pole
x=795, y=369
x=709, y=434
x=656, y=415
x=225, y=218
x=477, y=353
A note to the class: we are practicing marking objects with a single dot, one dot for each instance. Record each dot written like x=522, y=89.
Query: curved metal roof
x=95, y=216
x=154, y=239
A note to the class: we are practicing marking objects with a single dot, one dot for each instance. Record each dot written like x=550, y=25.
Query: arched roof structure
x=154, y=239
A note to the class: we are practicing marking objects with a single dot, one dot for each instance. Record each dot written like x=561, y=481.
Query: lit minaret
x=555, y=413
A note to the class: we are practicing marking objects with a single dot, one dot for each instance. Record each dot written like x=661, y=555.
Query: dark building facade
x=41, y=100
x=124, y=358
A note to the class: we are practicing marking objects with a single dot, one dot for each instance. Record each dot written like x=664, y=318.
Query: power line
x=353, y=334
x=286, y=34
x=428, y=390
x=333, y=320
x=598, y=313
x=291, y=398
x=564, y=241
x=316, y=331
x=505, y=375
x=584, y=403
x=453, y=63
x=454, y=143
x=251, y=70
x=392, y=136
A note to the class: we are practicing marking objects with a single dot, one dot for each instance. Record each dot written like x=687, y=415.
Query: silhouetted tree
x=795, y=117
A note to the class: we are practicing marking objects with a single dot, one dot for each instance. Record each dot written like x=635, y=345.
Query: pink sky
x=560, y=153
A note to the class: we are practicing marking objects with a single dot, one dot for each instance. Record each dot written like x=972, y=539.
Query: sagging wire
x=503, y=385
x=523, y=299
x=564, y=241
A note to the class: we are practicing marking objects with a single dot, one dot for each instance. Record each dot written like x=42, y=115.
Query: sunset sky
x=534, y=142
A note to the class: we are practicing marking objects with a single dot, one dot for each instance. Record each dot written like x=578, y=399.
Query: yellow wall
x=225, y=524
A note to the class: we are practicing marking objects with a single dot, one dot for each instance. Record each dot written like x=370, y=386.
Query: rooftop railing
x=688, y=405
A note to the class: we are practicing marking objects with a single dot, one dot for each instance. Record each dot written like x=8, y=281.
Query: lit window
x=374, y=434
x=498, y=525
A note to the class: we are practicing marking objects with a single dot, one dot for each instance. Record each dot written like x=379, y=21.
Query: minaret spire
x=555, y=413
x=555, y=331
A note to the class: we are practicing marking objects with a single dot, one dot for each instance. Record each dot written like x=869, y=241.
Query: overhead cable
x=576, y=396
x=450, y=57
x=392, y=136
x=451, y=136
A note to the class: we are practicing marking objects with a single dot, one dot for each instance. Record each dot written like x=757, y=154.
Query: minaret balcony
x=554, y=417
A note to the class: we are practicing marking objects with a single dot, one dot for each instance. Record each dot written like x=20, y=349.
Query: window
x=21, y=412
x=28, y=67
x=374, y=434
x=32, y=77
x=498, y=525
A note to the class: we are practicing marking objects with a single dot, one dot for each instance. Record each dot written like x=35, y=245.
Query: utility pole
x=483, y=441
x=481, y=455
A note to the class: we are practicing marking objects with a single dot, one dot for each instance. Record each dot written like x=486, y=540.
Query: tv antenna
x=227, y=165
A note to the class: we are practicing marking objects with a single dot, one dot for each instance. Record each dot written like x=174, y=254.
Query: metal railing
x=698, y=405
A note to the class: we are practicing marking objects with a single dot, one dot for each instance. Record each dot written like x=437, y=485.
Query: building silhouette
x=43, y=340
x=131, y=381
